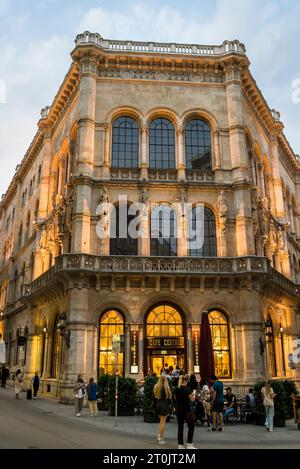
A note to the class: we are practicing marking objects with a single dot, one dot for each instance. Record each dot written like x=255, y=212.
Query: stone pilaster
x=45, y=184
x=180, y=155
x=143, y=153
x=279, y=202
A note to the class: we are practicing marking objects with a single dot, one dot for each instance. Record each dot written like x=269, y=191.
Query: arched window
x=111, y=322
x=271, y=348
x=203, y=242
x=162, y=144
x=164, y=321
x=221, y=344
x=125, y=143
x=56, y=350
x=163, y=231
x=198, y=145
x=121, y=243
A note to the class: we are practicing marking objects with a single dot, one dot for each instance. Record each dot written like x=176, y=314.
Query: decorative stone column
x=144, y=146
x=279, y=202
x=106, y=152
x=217, y=152
x=239, y=157
x=85, y=155
x=45, y=183
x=181, y=163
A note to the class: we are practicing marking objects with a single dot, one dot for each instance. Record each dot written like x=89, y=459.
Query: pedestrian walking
x=184, y=397
x=35, y=384
x=217, y=403
x=92, y=394
x=18, y=383
x=268, y=402
x=162, y=405
x=4, y=376
x=79, y=395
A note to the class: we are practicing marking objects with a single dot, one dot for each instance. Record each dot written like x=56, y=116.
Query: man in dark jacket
x=92, y=393
x=4, y=376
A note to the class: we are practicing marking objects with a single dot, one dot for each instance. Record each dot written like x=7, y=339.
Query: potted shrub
x=103, y=403
x=281, y=404
x=148, y=410
x=127, y=396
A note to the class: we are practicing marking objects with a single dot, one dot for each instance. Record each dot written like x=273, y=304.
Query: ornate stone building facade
x=159, y=124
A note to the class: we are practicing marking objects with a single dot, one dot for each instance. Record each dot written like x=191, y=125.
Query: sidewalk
x=234, y=435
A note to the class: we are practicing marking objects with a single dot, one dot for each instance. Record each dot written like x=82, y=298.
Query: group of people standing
x=21, y=386
x=184, y=397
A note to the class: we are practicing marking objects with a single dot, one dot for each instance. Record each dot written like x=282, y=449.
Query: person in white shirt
x=268, y=402
x=79, y=395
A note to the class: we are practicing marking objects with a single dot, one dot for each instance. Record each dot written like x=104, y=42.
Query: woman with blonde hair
x=162, y=405
x=268, y=402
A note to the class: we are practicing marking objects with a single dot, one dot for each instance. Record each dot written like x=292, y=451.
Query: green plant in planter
x=103, y=391
x=127, y=395
x=290, y=388
x=148, y=409
x=281, y=403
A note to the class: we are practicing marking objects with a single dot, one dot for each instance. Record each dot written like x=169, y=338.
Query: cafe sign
x=165, y=342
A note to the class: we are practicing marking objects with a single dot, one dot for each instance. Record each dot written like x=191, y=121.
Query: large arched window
x=163, y=231
x=121, y=243
x=111, y=322
x=164, y=321
x=203, y=241
x=198, y=145
x=125, y=143
x=162, y=144
x=56, y=350
x=271, y=348
x=221, y=344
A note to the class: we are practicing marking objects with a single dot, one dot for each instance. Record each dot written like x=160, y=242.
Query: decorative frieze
x=177, y=76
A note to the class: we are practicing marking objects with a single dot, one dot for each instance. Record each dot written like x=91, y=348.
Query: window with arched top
x=202, y=233
x=122, y=242
x=164, y=321
x=111, y=322
x=162, y=144
x=163, y=231
x=270, y=342
x=56, y=350
x=198, y=153
x=219, y=328
x=125, y=143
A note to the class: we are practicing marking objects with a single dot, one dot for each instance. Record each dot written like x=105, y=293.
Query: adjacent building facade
x=162, y=125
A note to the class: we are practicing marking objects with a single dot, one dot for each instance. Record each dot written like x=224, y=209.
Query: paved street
x=47, y=424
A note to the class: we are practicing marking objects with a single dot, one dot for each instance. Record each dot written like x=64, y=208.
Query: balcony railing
x=160, y=47
x=161, y=265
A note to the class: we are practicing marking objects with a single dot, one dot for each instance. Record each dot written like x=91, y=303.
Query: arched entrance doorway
x=164, y=338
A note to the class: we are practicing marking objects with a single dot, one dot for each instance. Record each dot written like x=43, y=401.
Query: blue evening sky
x=36, y=38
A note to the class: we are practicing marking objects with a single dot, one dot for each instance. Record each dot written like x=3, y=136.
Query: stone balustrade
x=162, y=266
x=161, y=48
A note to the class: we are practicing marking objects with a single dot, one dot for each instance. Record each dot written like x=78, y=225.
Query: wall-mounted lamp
x=268, y=336
x=64, y=332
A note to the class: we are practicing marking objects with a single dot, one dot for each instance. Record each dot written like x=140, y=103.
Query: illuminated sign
x=166, y=342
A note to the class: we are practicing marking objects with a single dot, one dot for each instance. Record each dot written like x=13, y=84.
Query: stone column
x=217, y=152
x=239, y=158
x=181, y=163
x=253, y=360
x=61, y=166
x=45, y=184
x=85, y=156
x=279, y=201
x=144, y=163
x=106, y=152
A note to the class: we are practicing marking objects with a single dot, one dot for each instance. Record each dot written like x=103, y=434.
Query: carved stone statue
x=223, y=211
x=144, y=195
x=104, y=197
x=43, y=238
x=280, y=240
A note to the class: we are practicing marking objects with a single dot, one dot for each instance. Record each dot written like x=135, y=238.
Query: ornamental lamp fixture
x=61, y=326
x=268, y=336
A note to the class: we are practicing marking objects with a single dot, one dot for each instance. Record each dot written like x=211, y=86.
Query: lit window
x=221, y=345
x=111, y=323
